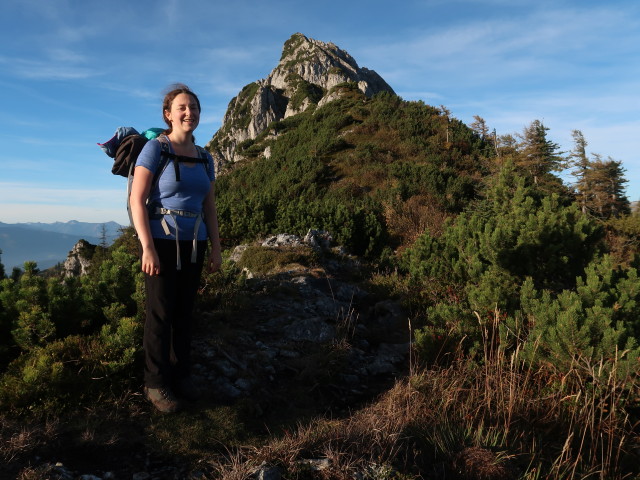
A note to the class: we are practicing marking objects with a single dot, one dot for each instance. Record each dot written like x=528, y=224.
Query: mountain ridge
x=48, y=244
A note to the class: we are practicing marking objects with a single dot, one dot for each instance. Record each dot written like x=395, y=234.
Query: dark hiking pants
x=170, y=298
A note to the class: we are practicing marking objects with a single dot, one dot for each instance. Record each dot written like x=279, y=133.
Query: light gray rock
x=318, y=239
x=308, y=73
x=78, y=262
x=282, y=240
x=236, y=255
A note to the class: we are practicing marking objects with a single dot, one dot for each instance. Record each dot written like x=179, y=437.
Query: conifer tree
x=606, y=181
x=578, y=158
x=103, y=236
x=489, y=251
x=479, y=125
x=599, y=183
x=446, y=114
x=537, y=155
x=32, y=325
x=597, y=320
x=506, y=145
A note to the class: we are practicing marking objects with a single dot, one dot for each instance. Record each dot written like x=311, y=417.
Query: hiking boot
x=163, y=399
x=187, y=389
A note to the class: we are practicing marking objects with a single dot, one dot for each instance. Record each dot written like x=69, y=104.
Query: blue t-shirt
x=187, y=194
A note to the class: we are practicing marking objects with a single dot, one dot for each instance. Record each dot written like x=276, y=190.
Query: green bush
x=68, y=372
x=33, y=327
x=336, y=168
x=65, y=339
x=487, y=255
x=46, y=379
x=594, y=322
x=119, y=344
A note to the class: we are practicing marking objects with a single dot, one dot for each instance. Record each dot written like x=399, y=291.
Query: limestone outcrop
x=79, y=259
x=309, y=74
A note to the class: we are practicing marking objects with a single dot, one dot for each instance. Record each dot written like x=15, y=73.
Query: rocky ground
x=303, y=341
x=294, y=316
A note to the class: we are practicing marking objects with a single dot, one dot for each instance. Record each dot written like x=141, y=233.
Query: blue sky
x=72, y=71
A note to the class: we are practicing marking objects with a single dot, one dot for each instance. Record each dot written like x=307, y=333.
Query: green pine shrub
x=47, y=378
x=594, y=322
x=33, y=327
x=72, y=371
x=69, y=339
x=120, y=344
x=482, y=259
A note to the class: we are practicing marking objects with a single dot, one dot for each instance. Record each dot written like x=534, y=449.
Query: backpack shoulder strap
x=164, y=160
x=165, y=156
x=204, y=156
x=168, y=155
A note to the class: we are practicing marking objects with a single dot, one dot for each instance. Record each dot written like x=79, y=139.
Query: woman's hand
x=150, y=262
x=215, y=261
x=211, y=220
x=138, y=200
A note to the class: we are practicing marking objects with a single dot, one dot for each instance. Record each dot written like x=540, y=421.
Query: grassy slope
x=374, y=156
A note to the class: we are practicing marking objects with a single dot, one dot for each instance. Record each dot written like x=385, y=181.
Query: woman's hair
x=173, y=91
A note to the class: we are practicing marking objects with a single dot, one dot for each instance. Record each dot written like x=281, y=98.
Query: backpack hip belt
x=165, y=226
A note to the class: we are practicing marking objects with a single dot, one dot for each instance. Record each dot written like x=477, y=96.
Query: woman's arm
x=140, y=188
x=211, y=220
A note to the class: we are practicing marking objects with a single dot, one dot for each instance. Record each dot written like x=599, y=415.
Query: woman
x=173, y=227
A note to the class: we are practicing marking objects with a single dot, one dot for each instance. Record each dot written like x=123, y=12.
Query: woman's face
x=184, y=114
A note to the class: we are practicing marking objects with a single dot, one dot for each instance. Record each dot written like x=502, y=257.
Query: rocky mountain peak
x=322, y=64
x=307, y=75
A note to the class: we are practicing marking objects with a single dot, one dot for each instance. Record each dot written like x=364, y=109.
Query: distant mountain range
x=48, y=244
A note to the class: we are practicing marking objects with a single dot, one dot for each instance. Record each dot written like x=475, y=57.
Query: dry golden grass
x=498, y=420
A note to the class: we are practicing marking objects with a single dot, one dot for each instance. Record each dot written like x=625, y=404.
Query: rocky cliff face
x=308, y=74
x=79, y=259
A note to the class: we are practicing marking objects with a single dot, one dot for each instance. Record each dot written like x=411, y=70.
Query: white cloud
x=237, y=54
x=66, y=55
x=22, y=165
x=135, y=91
x=50, y=142
x=46, y=69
